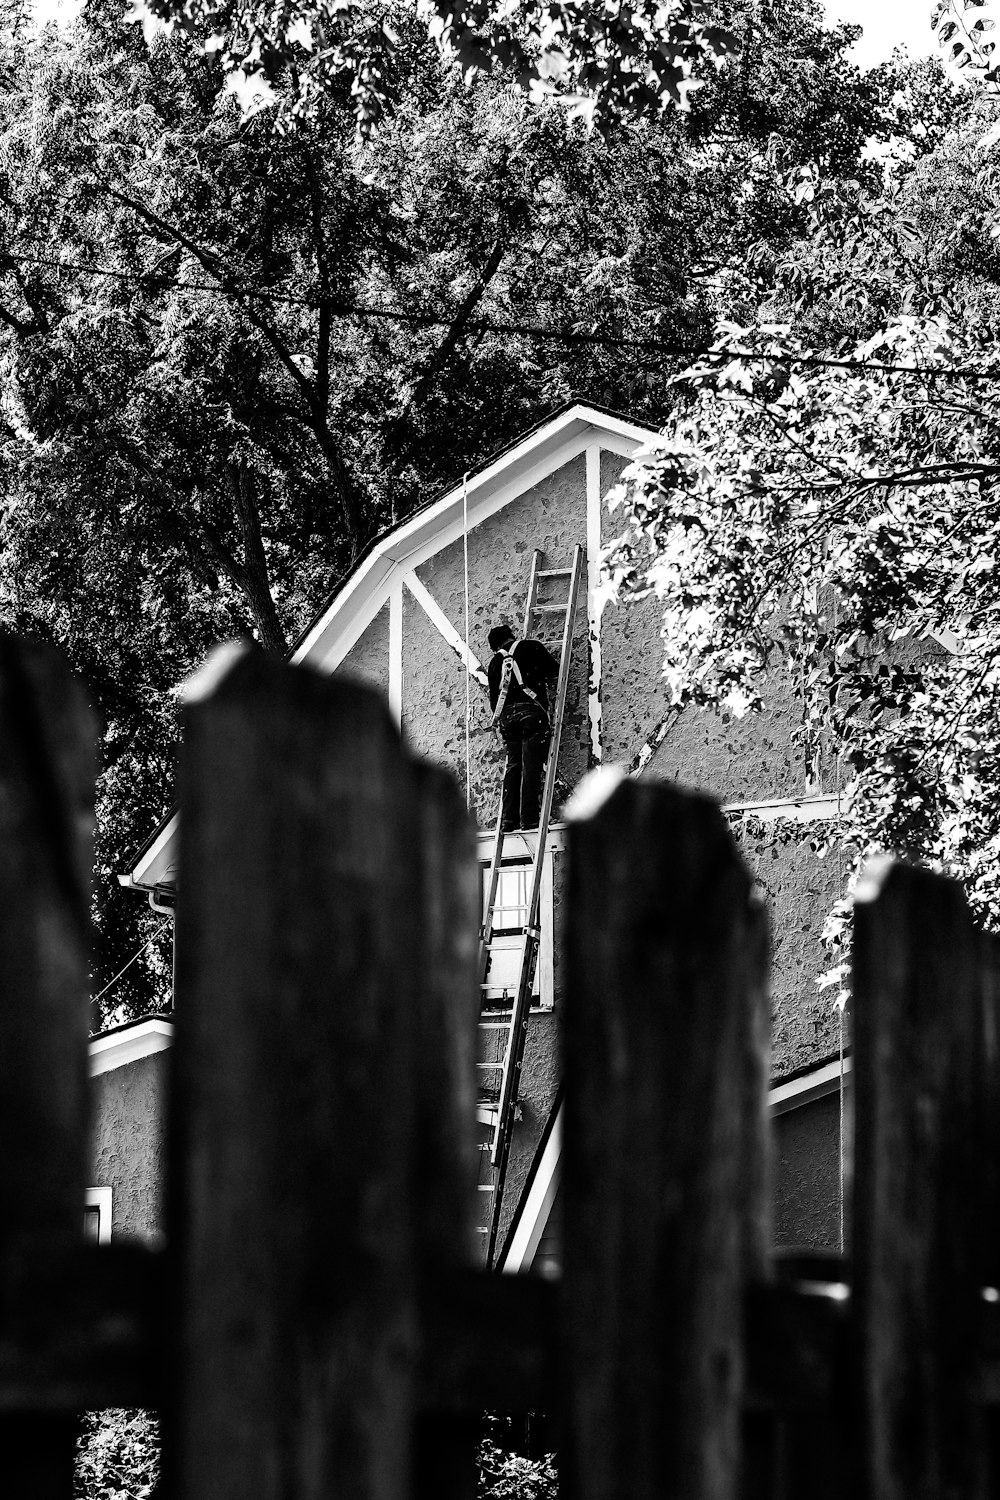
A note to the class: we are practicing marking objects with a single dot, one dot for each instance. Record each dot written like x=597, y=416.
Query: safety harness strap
x=511, y=669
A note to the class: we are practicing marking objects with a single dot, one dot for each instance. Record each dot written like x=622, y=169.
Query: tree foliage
x=118, y=1455
x=229, y=356
x=964, y=32
x=597, y=57
x=825, y=496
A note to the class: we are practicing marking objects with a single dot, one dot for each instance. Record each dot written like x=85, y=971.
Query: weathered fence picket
x=294, y=1210
x=317, y=1324
x=47, y=772
x=665, y=1180
x=919, y=1179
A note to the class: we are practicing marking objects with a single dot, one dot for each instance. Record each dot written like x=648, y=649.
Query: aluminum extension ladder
x=516, y=1024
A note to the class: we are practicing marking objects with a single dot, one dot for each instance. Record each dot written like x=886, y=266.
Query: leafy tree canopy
x=825, y=493
x=229, y=356
x=598, y=57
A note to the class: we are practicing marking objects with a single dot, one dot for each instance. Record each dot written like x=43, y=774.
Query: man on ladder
x=519, y=675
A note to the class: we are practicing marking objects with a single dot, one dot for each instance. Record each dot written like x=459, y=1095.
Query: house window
x=97, y=1215
x=510, y=913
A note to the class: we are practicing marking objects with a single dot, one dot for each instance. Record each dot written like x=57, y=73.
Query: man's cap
x=499, y=636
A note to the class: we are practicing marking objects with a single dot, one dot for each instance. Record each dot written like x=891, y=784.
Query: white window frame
x=100, y=1198
x=522, y=848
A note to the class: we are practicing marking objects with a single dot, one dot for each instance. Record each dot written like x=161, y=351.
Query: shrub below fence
x=317, y=1326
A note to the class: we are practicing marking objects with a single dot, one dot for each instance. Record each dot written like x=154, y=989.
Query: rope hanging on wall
x=468, y=692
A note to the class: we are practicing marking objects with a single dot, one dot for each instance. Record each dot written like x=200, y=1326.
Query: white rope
x=468, y=693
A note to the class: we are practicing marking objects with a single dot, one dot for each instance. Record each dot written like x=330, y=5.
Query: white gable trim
x=128, y=1045
x=815, y=1084
x=518, y=469
x=394, y=559
x=533, y=1214
x=537, y=1206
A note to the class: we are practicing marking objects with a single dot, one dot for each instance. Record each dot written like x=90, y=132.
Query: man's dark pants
x=525, y=731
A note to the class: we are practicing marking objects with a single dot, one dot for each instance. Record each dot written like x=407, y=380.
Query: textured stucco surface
x=749, y=759
x=738, y=760
x=633, y=699
x=800, y=889
x=434, y=682
x=368, y=658
x=552, y=517
x=807, y=1176
x=127, y=1143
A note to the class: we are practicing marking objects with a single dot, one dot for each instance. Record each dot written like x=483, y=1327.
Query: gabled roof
x=525, y=463
x=360, y=596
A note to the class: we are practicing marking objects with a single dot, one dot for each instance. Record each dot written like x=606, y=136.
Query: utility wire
x=131, y=961
x=541, y=332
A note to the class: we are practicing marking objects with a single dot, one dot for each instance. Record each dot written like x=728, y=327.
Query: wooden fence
x=317, y=1326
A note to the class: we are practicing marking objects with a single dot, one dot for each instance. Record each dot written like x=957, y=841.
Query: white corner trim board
x=395, y=693
x=594, y=509
x=129, y=1044
x=100, y=1198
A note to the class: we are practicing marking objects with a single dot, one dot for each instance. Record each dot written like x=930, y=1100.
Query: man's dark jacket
x=538, y=668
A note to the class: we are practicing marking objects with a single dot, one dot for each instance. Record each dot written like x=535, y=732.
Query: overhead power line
x=541, y=332
x=148, y=944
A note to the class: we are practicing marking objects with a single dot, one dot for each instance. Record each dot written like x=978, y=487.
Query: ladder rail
x=529, y=607
x=514, y=1055
x=486, y=927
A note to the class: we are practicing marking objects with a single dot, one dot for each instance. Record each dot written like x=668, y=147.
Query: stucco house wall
x=127, y=1144
x=400, y=624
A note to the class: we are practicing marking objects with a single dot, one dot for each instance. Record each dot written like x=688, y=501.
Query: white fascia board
x=129, y=1045
x=626, y=447
x=355, y=606
x=518, y=469
x=429, y=533
x=158, y=865
x=809, y=809
x=815, y=1084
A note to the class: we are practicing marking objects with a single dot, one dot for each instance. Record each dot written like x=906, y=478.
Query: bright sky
x=888, y=24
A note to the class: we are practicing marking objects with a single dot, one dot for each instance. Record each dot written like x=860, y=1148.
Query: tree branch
x=438, y=357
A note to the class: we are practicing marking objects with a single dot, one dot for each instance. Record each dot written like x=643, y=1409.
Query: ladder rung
x=494, y=1066
x=554, y=573
x=485, y=1187
x=549, y=609
x=494, y=1025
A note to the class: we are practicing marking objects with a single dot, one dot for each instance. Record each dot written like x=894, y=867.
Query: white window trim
x=522, y=846
x=100, y=1198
